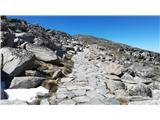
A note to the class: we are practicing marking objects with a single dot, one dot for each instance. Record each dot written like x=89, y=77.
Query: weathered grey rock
x=66, y=79
x=95, y=101
x=57, y=74
x=141, y=70
x=155, y=85
x=111, y=101
x=13, y=102
x=102, y=90
x=7, y=39
x=128, y=78
x=136, y=98
x=44, y=102
x=142, y=80
x=3, y=94
x=146, y=102
x=113, y=85
x=52, y=100
x=25, y=36
x=26, y=82
x=67, y=102
x=79, y=92
x=91, y=93
x=41, y=52
x=36, y=101
x=94, y=94
x=156, y=94
x=33, y=73
x=113, y=77
x=64, y=94
x=139, y=90
x=16, y=61
x=120, y=93
x=113, y=68
x=76, y=87
x=81, y=99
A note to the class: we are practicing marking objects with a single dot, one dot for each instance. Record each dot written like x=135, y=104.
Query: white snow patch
x=25, y=94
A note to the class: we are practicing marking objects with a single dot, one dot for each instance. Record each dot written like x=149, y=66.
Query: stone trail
x=85, y=85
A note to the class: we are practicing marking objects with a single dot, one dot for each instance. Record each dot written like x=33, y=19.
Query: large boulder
x=142, y=70
x=114, y=69
x=128, y=78
x=139, y=90
x=7, y=39
x=113, y=85
x=41, y=52
x=26, y=82
x=15, y=61
x=25, y=36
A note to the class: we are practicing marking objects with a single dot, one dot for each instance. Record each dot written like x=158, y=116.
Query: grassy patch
x=123, y=101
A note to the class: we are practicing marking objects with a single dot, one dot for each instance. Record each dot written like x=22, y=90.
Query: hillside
x=43, y=66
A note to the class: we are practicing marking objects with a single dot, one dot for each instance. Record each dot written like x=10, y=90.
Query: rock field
x=48, y=67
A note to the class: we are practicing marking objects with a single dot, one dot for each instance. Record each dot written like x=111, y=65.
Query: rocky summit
x=48, y=67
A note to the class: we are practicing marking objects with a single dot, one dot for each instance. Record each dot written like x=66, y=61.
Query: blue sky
x=137, y=31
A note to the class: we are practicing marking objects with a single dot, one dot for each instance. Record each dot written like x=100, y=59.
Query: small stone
x=52, y=100
x=128, y=78
x=102, y=90
x=44, y=102
x=67, y=102
x=79, y=92
x=81, y=99
x=95, y=102
x=66, y=79
x=111, y=101
x=79, y=87
x=143, y=80
x=156, y=94
x=114, y=85
x=13, y=102
x=113, y=77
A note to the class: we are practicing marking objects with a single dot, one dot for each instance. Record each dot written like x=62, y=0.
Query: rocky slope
x=42, y=66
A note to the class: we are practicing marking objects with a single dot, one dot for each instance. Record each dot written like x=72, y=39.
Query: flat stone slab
x=79, y=87
x=13, y=102
x=113, y=77
x=79, y=92
x=146, y=102
x=67, y=102
x=81, y=99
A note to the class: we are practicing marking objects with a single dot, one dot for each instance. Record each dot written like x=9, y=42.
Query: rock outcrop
x=15, y=61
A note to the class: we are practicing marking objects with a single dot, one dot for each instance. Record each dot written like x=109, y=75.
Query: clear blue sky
x=137, y=31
